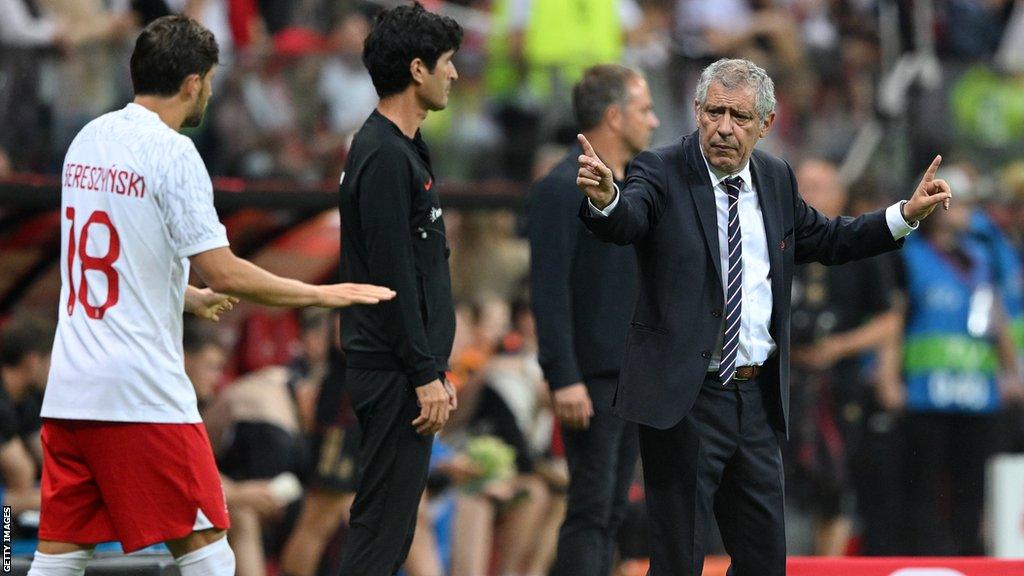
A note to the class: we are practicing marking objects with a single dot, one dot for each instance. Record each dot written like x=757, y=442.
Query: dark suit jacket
x=667, y=211
x=582, y=290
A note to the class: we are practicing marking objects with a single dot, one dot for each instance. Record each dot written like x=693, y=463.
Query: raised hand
x=342, y=295
x=927, y=196
x=594, y=178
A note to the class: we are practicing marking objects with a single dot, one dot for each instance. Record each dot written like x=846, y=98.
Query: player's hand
x=929, y=193
x=573, y=406
x=206, y=303
x=435, y=405
x=594, y=178
x=342, y=295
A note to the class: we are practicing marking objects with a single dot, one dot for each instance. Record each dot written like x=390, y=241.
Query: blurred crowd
x=906, y=368
x=291, y=89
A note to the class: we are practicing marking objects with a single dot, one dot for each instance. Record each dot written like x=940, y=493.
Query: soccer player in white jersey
x=125, y=453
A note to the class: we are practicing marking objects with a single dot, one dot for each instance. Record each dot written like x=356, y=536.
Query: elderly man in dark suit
x=718, y=227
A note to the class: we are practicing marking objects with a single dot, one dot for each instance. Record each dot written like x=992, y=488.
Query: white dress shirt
x=756, y=343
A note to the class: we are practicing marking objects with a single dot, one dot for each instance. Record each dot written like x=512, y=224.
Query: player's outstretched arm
x=207, y=304
x=228, y=274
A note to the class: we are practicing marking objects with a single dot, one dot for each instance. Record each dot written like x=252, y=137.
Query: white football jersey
x=136, y=202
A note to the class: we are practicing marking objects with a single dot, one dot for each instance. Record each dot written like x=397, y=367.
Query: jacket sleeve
x=641, y=203
x=554, y=236
x=385, y=205
x=839, y=240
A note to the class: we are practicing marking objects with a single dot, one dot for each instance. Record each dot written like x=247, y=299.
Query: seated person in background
x=449, y=469
x=24, y=364
x=333, y=468
x=253, y=426
x=523, y=511
x=25, y=357
x=18, y=487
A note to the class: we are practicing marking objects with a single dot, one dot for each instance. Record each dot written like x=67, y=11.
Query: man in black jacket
x=582, y=296
x=392, y=229
x=718, y=227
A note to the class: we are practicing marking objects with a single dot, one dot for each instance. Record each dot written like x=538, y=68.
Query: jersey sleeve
x=187, y=205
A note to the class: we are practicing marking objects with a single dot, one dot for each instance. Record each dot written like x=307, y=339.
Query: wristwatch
x=904, y=215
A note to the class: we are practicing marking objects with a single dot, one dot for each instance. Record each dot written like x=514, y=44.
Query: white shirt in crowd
x=136, y=202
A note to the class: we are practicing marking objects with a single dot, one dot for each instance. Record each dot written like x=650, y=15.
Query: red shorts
x=140, y=483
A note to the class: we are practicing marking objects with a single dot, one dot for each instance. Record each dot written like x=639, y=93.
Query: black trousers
x=601, y=461
x=393, y=461
x=722, y=460
x=945, y=468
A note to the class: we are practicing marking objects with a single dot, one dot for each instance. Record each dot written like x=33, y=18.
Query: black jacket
x=667, y=211
x=582, y=290
x=393, y=235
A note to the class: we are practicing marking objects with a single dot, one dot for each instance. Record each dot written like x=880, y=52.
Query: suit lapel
x=771, y=212
x=703, y=199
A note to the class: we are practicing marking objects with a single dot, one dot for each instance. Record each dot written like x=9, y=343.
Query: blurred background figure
x=959, y=367
x=840, y=315
x=24, y=363
x=253, y=424
x=583, y=292
x=514, y=513
x=27, y=36
x=333, y=470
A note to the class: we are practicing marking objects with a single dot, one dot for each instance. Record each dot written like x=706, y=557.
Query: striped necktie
x=734, y=284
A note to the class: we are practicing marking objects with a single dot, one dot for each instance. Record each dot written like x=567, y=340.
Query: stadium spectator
x=18, y=488
x=741, y=27
x=333, y=470
x=536, y=51
x=24, y=362
x=510, y=411
x=253, y=425
x=24, y=34
x=972, y=30
x=877, y=458
x=90, y=79
x=25, y=359
x=22, y=26
x=344, y=85
x=488, y=258
x=840, y=313
x=959, y=367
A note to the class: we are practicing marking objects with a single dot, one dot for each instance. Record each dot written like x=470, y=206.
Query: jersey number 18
x=102, y=264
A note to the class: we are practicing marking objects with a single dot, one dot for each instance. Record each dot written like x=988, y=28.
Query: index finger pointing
x=930, y=172
x=587, y=148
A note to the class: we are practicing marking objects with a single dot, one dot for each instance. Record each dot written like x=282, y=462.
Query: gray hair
x=732, y=74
